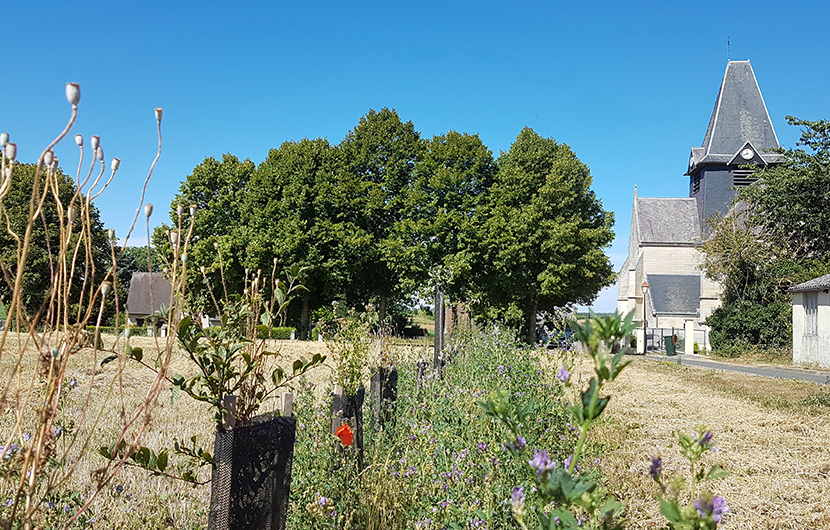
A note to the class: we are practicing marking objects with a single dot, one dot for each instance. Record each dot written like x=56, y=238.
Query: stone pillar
x=689, y=346
x=641, y=340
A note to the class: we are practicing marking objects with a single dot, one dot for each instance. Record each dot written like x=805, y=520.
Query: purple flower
x=322, y=501
x=517, y=445
x=656, y=467
x=482, y=447
x=518, y=496
x=564, y=375
x=568, y=461
x=715, y=506
x=541, y=462
x=705, y=439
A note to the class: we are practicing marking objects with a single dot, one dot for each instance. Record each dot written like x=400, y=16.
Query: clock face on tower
x=747, y=153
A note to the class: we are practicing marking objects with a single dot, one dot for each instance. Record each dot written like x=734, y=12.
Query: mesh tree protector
x=252, y=474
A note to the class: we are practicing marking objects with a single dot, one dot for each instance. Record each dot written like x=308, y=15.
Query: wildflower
x=26, y=437
x=482, y=447
x=344, y=433
x=564, y=375
x=73, y=93
x=705, y=439
x=568, y=461
x=119, y=488
x=518, y=496
x=322, y=501
x=656, y=467
x=541, y=462
x=715, y=506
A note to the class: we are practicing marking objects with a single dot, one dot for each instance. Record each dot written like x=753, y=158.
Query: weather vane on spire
x=728, y=49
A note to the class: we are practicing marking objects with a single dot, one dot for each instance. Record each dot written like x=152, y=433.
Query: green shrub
x=276, y=333
x=741, y=323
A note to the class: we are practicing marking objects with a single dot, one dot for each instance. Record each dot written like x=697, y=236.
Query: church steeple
x=740, y=133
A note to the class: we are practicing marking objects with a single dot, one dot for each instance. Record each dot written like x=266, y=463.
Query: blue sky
x=628, y=85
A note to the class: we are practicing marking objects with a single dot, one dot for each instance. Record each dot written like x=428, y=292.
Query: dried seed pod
x=71, y=214
x=105, y=289
x=174, y=238
x=111, y=234
x=159, y=112
x=79, y=139
x=55, y=164
x=116, y=163
x=192, y=210
x=202, y=268
x=73, y=93
x=148, y=210
x=10, y=150
x=180, y=209
x=184, y=257
x=48, y=157
x=94, y=142
x=4, y=139
x=99, y=153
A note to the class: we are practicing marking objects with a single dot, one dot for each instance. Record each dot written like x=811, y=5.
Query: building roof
x=740, y=116
x=674, y=294
x=667, y=221
x=816, y=284
x=139, y=299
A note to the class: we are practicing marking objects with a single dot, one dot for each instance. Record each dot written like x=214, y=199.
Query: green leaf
x=108, y=359
x=161, y=461
x=670, y=510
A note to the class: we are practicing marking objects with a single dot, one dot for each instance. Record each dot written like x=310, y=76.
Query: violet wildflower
x=322, y=501
x=655, y=468
x=564, y=375
x=518, y=496
x=715, y=506
x=541, y=462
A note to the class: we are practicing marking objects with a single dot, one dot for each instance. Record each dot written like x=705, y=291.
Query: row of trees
x=775, y=237
x=385, y=214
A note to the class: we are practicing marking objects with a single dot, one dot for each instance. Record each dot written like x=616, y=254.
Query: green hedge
x=135, y=331
x=276, y=333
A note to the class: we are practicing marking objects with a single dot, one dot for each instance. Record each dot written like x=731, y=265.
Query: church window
x=696, y=183
x=811, y=313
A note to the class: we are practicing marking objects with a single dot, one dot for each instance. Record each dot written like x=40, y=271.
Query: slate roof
x=668, y=221
x=816, y=284
x=740, y=116
x=674, y=294
x=138, y=300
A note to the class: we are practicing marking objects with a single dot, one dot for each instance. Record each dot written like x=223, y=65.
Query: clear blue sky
x=628, y=85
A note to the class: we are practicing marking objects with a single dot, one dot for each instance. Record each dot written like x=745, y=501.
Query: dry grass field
x=771, y=434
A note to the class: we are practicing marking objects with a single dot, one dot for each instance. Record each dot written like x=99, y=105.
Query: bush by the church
x=750, y=323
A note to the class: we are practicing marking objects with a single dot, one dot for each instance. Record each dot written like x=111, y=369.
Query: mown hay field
x=771, y=435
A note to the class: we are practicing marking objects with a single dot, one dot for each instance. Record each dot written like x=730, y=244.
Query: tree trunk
x=382, y=310
x=305, y=332
x=529, y=330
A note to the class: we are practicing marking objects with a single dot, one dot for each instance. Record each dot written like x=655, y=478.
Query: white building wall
x=811, y=349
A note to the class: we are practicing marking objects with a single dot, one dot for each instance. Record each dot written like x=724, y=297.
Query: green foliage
x=45, y=240
x=541, y=234
x=441, y=464
x=276, y=333
x=574, y=496
x=750, y=322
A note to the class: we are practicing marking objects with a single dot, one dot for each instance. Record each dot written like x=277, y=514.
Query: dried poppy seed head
x=159, y=112
x=10, y=150
x=192, y=210
x=54, y=165
x=73, y=93
x=111, y=234
x=216, y=245
x=4, y=139
x=148, y=210
x=184, y=257
x=105, y=289
x=79, y=139
x=202, y=268
x=94, y=142
x=48, y=157
x=180, y=209
x=99, y=153
x=116, y=163
x=71, y=214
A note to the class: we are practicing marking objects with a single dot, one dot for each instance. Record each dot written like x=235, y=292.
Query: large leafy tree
x=380, y=155
x=434, y=235
x=221, y=238
x=541, y=234
x=93, y=260
x=775, y=236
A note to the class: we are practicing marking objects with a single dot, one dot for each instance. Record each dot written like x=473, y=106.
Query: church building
x=661, y=279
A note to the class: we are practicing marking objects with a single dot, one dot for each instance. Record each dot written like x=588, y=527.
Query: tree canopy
x=372, y=218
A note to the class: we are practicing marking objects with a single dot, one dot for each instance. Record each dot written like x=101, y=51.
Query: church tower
x=740, y=133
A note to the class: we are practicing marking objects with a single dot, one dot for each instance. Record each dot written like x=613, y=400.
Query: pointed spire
x=740, y=114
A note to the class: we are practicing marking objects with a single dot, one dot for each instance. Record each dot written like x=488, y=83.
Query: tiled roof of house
x=139, y=300
x=668, y=221
x=674, y=294
x=816, y=284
